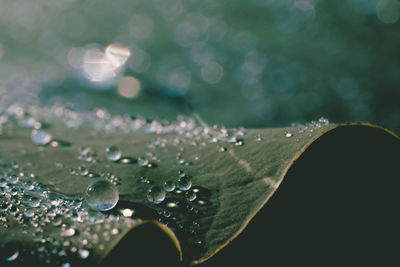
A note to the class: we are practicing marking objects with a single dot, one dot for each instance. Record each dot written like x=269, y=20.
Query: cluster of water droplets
x=81, y=220
x=36, y=211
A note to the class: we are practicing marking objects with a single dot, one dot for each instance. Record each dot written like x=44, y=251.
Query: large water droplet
x=184, y=183
x=113, y=153
x=40, y=137
x=156, y=194
x=102, y=195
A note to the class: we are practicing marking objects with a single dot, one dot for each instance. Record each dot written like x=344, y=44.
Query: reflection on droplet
x=97, y=67
x=171, y=205
x=117, y=54
x=128, y=87
x=100, y=67
x=127, y=212
x=83, y=253
x=12, y=257
x=191, y=195
x=102, y=195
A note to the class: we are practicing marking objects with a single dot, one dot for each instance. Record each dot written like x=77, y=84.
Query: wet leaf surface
x=222, y=179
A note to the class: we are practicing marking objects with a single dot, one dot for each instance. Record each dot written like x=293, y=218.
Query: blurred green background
x=256, y=63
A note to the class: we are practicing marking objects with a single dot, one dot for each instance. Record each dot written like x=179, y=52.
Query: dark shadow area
x=338, y=206
x=145, y=245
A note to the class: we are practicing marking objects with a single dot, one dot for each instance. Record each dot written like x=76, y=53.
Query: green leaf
x=233, y=174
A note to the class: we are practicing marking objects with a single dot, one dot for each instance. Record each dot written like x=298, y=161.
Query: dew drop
x=143, y=161
x=3, y=182
x=156, y=194
x=239, y=142
x=221, y=149
x=83, y=171
x=114, y=231
x=40, y=137
x=29, y=213
x=83, y=253
x=57, y=220
x=4, y=207
x=191, y=195
x=102, y=195
x=68, y=232
x=144, y=180
x=184, y=183
x=13, y=179
x=13, y=256
x=113, y=153
x=169, y=186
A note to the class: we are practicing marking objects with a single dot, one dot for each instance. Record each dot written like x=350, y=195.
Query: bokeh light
x=128, y=87
x=270, y=62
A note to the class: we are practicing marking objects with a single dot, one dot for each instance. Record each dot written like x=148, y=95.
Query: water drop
x=184, y=183
x=68, y=232
x=40, y=137
x=29, y=213
x=13, y=179
x=221, y=149
x=113, y=153
x=3, y=182
x=191, y=195
x=156, y=194
x=34, y=202
x=114, y=231
x=12, y=256
x=102, y=195
x=169, y=186
x=143, y=161
x=57, y=220
x=29, y=185
x=239, y=142
x=144, y=180
x=4, y=207
x=83, y=253
x=83, y=171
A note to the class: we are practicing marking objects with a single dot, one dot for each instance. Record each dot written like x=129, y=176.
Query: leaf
x=233, y=174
